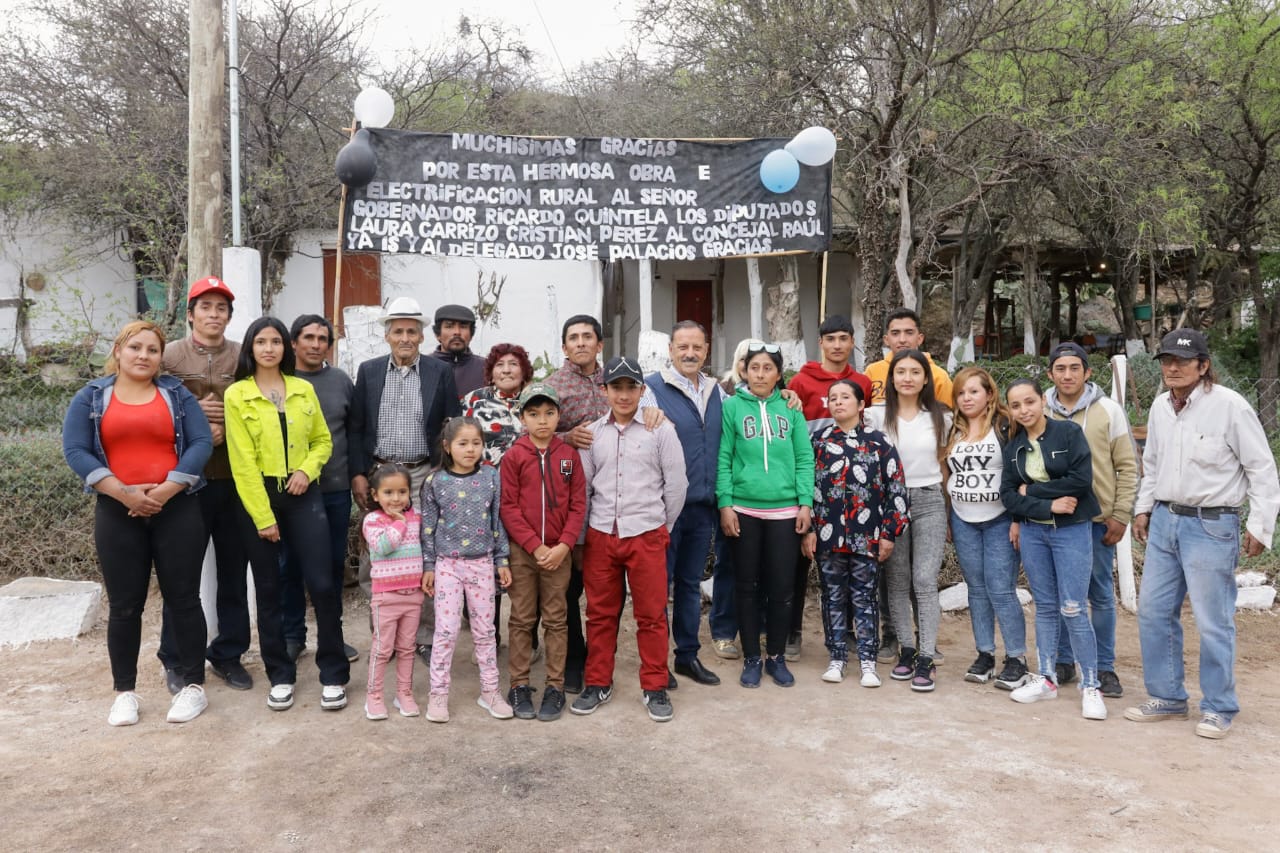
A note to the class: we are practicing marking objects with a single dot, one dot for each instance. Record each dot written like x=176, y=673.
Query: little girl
x=462, y=542
x=859, y=509
x=395, y=559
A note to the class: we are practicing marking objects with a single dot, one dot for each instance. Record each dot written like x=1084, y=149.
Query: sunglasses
x=756, y=349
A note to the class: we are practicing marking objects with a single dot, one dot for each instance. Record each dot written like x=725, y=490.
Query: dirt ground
x=818, y=766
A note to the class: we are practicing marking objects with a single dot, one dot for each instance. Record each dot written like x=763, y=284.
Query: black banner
x=580, y=198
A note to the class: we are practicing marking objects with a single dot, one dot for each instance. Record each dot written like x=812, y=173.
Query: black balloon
x=356, y=162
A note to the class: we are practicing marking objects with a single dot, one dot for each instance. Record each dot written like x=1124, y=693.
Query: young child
x=859, y=509
x=636, y=486
x=544, y=505
x=395, y=557
x=462, y=543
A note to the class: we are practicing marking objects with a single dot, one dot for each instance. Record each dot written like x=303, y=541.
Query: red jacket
x=544, y=494
x=812, y=384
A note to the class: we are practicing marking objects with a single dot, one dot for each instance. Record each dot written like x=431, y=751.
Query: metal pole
x=234, y=88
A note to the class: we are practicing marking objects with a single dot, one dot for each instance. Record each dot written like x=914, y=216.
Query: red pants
x=608, y=565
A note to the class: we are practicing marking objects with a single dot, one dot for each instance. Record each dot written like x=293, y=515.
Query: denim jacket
x=82, y=434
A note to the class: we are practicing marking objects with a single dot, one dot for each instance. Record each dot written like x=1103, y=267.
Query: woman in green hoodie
x=764, y=487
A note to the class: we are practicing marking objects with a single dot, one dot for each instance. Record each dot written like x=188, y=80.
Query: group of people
x=479, y=483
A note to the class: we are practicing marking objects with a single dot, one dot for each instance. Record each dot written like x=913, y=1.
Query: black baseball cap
x=1068, y=348
x=1184, y=343
x=621, y=367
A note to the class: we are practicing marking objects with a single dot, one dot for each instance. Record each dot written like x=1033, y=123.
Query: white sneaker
x=1037, y=689
x=124, y=711
x=188, y=704
x=1091, y=704
x=869, y=677
x=333, y=697
x=835, y=672
x=281, y=697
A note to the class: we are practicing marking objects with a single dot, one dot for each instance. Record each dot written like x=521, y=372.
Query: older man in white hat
x=401, y=401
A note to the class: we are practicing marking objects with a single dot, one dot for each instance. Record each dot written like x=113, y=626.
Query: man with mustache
x=454, y=327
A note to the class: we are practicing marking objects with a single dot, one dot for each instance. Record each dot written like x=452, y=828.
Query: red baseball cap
x=210, y=284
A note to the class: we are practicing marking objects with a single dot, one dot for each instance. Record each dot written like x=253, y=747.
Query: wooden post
x=822, y=291
x=206, y=67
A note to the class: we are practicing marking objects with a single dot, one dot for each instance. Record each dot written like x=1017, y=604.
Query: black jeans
x=221, y=510
x=173, y=540
x=304, y=525
x=576, y=651
x=764, y=555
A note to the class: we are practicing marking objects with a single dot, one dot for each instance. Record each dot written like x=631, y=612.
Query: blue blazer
x=439, y=403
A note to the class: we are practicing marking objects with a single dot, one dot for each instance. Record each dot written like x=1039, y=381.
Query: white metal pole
x=1124, y=548
x=755, y=290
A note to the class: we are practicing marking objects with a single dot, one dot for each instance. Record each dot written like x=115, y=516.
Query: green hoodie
x=766, y=458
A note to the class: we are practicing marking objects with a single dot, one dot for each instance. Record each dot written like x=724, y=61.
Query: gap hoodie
x=766, y=457
x=544, y=494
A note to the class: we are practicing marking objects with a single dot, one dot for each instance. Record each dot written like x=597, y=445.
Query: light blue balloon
x=779, y=171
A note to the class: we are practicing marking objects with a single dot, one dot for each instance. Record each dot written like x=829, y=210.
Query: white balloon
x=374, y=107
x=813, y=146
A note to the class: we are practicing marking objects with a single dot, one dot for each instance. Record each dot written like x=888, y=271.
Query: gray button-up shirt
x=401, y=435
x=635, y=478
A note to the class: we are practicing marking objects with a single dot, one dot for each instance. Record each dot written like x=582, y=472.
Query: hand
x=803, y=517
x=394, y=514
x=211, y=405
x=729, y=522
x=139, y=500
x=886, y=549
x=219, y=433
x=1063, y=506
x=580, y=437
x=1022, y=490
x=1252, y=547
x=809, y=545
x=429, y=583
x=1115, y=531
x=792, y=399
x=164, y=491
x=550, y=558
x=504, y=577
x=1140, y=523
x=298, y=483
x=653, y=417
x=1015, y=535
x=360, y=490
x=271, y=534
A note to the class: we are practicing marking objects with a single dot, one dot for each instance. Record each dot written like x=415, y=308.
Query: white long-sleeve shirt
x=1212, y=453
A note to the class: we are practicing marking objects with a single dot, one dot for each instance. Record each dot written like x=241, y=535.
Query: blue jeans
x=686, y=562
x=1102, y=605
x=1057, y=561
x=990, y=568
x=722, y=617
x=293, y=601
x=1195, y=557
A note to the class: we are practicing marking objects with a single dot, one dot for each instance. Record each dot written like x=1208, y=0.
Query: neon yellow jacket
x=255, y=445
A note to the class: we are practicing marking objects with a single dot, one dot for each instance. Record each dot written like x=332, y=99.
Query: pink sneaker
x=497, y=707
x=438, y=707
x=375, y=708
x=407, y=707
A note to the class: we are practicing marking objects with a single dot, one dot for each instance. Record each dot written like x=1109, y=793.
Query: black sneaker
x=906, y=667
x=982, y=669
x=573, y=678
x=552, y=704
x=1066, y=673
x=521, y=701
x=350, y=651
x=1110, y=685
x=659, y=705
x=922, y=681
x=424, y=653
x=1014, y=674
x=592, y=697
x=234, y=673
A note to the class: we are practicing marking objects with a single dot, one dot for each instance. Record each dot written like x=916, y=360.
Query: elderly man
x=400, y=404
x=454, y=327
x=1206, y=453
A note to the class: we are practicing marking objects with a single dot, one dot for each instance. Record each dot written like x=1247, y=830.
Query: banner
x=583, y=198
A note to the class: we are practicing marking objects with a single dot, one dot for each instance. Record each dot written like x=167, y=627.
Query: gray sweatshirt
x=335, y=390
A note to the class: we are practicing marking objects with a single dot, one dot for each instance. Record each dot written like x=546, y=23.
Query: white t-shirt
x=974, y=484
x=916, y=443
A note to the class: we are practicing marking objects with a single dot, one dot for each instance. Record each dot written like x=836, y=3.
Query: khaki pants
x=533, y=591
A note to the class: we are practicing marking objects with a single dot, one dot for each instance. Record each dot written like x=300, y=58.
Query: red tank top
x=138, y=441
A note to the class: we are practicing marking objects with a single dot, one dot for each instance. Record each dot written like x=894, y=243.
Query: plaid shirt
x=401, y=435
x=581, y=395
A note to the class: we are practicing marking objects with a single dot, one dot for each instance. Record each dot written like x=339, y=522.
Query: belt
x=378, y=460
x=1209, y=513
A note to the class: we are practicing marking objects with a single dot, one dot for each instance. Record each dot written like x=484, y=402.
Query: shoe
x=537, y=654
x=1156, y=711
x=1213, y=726
x=497, y=707
x=521, y=701
x=234, y=673
x=173, y=681
x=869, y=676
x=751, y=668
x=906, y=665
x=1036, y=689
x=1014, y=673
x=188, y=704
x=552, y=704
x=776, y=667
x=592, y=697
x=696, y=671
x=424, y=653
x=124, y=711
x=294, y=649
x=350, y=651
x=938, y=657
x=333, y=697
x=981, y=670
x=794, y=643
x=835, y=672
x=438, y=707
x=672, y=684
x=1066, y=673
x=1091, y=705
x=375, y=708
x=573, y=679
x=406, y=705
x=281, y=697
x=1110, y=684
x=726, y=649
x=659, y=705
x=922, y=681
x=888, y=652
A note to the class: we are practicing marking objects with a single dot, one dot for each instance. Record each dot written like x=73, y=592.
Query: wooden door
x=693, y=302
x=361, y=282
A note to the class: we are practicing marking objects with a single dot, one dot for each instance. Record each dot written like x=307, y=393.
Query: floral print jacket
x=860, y=494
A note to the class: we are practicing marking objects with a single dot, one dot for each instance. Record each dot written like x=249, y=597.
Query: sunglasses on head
x=756, y=349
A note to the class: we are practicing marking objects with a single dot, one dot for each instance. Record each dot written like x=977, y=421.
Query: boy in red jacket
x=544, y=507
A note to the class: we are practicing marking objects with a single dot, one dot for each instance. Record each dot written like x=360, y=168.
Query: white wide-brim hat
x=403, y=308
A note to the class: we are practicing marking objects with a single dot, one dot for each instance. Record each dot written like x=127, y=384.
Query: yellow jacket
x=256, y=447
x=878, y=373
